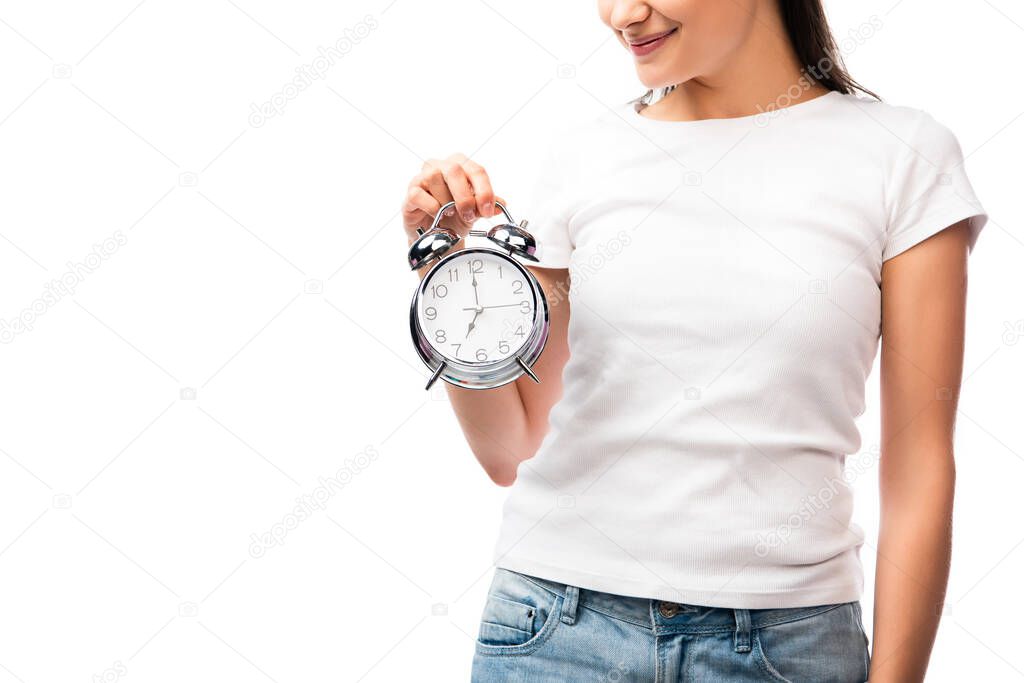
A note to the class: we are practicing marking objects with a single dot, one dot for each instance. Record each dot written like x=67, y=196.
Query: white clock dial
x=477, y=307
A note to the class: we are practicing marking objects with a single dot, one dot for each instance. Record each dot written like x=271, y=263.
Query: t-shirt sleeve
x=550, y=205
x=931, y=190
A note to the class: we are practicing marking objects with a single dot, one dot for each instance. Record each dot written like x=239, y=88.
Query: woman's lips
x=646, y=48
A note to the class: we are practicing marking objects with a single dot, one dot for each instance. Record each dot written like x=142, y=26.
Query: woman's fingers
x=480, y=184
x=419, y=209
x=431, y=178
x=457, y=186
x=440, y=181
x=426, y=194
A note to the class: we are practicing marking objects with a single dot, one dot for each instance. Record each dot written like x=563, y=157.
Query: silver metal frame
x=483, y=375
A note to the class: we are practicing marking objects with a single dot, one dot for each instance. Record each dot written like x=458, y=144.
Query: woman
x=679, y=508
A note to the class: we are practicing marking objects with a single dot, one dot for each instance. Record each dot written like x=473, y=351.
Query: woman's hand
x=440, y=181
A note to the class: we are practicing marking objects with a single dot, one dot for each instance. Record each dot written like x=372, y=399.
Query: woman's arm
x=505, y=426
x=923, y=310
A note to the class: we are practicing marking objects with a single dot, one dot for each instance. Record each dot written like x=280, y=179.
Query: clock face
x=477, y=307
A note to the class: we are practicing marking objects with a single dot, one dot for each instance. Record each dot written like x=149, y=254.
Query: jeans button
x=668, y=609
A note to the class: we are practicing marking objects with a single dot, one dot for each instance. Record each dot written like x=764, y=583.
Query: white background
x=262, y=267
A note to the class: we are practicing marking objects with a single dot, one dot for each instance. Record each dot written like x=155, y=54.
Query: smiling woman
x=684, y=513
x=649, y=43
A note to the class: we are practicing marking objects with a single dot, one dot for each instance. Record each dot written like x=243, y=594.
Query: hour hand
x=472, y=323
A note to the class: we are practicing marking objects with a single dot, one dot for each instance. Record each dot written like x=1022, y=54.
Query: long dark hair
x=815, y=47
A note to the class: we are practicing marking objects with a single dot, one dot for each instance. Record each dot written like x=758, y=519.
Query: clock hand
x=472, y=323
x=486, y=307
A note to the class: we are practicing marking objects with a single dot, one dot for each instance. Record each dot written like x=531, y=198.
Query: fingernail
x=449, y=212
x=469, y=215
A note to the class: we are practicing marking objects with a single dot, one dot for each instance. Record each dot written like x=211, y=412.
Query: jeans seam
x=761, y=657
x=782, y=619
x=582, y=605
x=858, y=618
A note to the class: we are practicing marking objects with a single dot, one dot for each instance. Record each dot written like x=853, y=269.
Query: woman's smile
x=647, y=45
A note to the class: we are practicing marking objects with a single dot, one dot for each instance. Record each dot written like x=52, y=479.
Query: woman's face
x=702, y=34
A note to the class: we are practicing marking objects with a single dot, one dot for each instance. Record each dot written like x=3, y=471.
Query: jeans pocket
x=507, y=622
x=518, y=615
x=823, y=646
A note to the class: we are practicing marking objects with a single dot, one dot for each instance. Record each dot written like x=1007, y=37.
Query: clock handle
x=433, y=243
x=440, y=214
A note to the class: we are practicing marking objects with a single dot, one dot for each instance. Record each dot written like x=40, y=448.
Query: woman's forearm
x=496, y=428
x=913, y=563
x=497, y=423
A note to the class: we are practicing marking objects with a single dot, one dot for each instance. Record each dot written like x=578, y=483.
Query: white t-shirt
x=725, y=314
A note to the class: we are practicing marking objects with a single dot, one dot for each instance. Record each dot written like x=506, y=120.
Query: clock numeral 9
x=430, y=313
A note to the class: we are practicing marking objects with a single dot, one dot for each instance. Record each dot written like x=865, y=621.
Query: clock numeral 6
x=481, y=354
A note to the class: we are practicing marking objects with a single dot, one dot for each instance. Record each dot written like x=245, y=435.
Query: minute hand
x=480, y=308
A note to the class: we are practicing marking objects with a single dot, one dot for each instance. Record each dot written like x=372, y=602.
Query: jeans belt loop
x=570, y=604
x=742, y=630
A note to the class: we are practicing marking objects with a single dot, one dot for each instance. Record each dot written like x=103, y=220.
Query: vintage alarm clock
x=479, y=318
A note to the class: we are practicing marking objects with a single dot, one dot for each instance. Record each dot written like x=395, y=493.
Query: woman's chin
x=656, y=81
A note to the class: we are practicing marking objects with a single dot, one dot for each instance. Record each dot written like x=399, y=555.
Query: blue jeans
x=537, y=631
